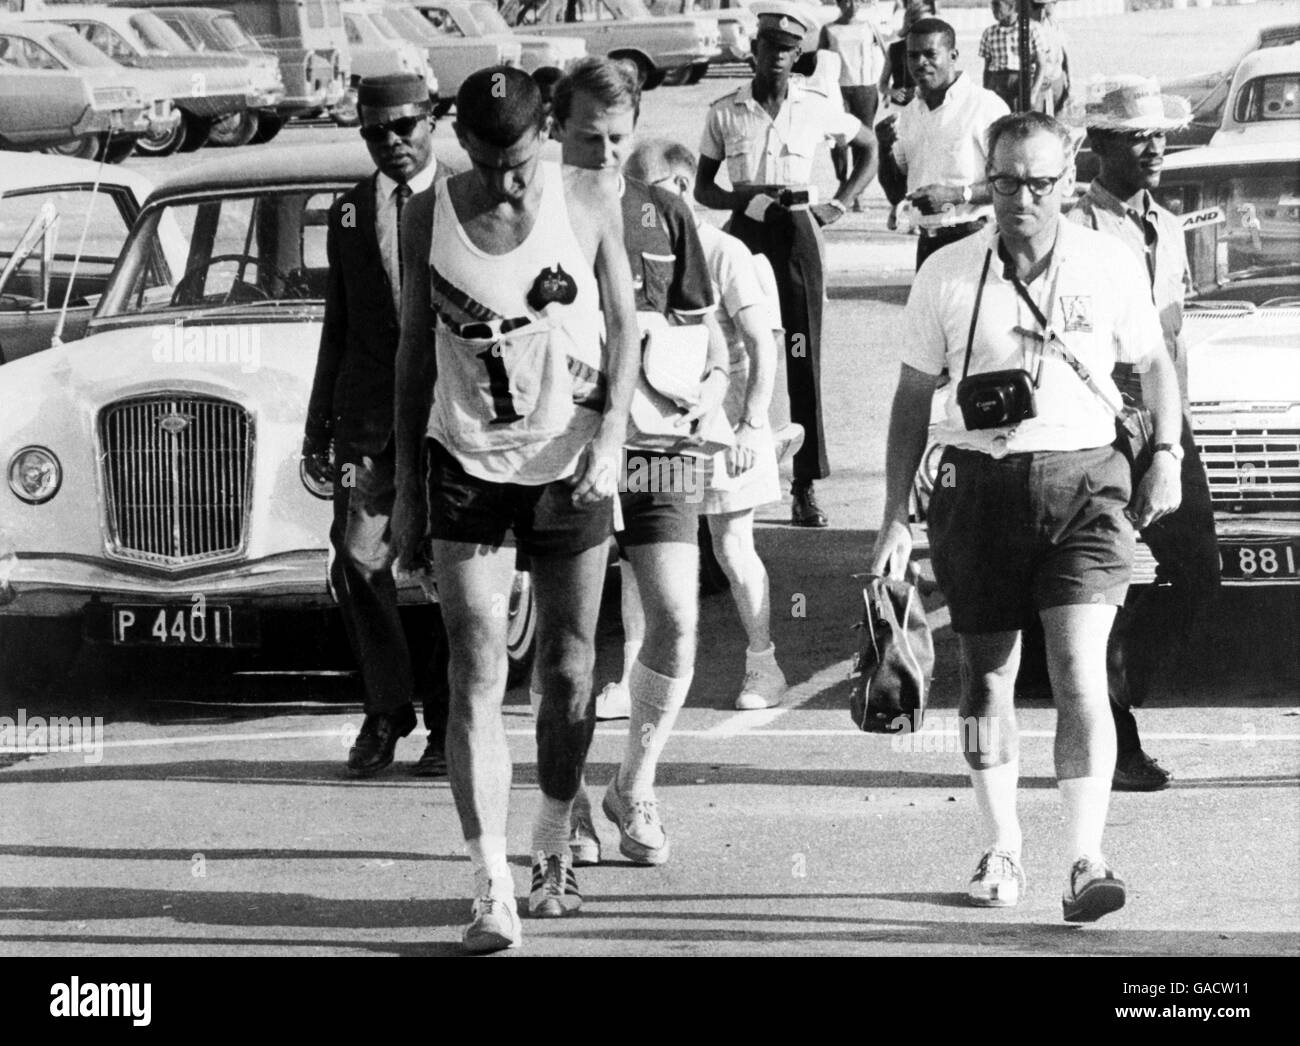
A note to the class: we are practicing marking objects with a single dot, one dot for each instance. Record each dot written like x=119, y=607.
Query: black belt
x=485, y=331
x=965, y=228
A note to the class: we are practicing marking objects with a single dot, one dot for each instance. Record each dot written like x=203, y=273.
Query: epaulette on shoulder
x=725, y=98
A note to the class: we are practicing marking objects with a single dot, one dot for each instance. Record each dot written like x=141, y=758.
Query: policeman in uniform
x=767, y=132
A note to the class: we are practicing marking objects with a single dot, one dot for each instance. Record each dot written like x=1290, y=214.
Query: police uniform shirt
x=759, y=150
x=1094, y=295
x=386, y=220
x=670, y=273
x=946, y=145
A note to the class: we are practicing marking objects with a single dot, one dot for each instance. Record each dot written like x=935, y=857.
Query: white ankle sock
x=656, y=700
x=551, y=825
x=487, y=855
x=1086, y=800
x=763, y=656
x=995, y=796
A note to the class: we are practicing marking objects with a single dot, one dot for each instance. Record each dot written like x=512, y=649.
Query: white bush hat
x=1128, y=103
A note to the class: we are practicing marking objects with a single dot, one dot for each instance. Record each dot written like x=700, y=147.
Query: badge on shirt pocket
x=1077, y=311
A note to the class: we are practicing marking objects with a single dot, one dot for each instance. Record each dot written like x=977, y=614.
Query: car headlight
x=324, y=491
x=35, y=475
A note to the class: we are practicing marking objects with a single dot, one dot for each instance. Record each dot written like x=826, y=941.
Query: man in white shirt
x=348, y=439
x=1031, y=511
x=941, y=140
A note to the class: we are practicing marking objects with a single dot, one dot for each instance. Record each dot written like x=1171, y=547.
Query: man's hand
x=596, y=477
x=932, y=199
x=825, y=214
x=317, y=462
x=712, y=393
x=743, y=454
x=892, y=551
x=406, y=525
x=1160, y=492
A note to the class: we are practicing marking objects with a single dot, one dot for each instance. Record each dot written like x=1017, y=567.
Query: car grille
x=177, y=477
x=1252, y=468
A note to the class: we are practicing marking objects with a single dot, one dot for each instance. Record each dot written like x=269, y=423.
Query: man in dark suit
x=351, y=411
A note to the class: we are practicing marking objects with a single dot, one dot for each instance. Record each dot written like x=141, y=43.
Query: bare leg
x=1076, y=661
x=733, y=544
x=990, y=741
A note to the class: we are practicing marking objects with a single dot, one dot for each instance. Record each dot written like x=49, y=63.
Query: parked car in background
x=205, y=88
x=46, y=203
x=214, y=30
x=57, y=92
x=378, y=49
x=1264, y=100
x=480, y=20
x=315, y=66
x=155, y=497
x=452, y=54
x=1207, y=92
x=737, y=26
x=624, y=29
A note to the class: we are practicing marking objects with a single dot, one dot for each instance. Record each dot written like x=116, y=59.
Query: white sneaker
x=788, y=439
x=998, y=881
x=1094, y=890
x=495, y=925
x=584, y=843
x=614, y=702
x=765, y=683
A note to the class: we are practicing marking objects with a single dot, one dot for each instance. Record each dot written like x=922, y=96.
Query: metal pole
x=1026, y=57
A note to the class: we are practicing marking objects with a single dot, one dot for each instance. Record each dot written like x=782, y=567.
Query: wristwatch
x=1173, y=449
x=750, y=423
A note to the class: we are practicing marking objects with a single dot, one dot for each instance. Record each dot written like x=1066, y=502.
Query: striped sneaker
x=555, y=887
x=997, y=881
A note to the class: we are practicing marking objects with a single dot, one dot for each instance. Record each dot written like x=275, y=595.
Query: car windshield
x=487, y=18
x=384, y=26
x=1243, y=222
x=246, y=250
x=412, y=24
x=233, y=35
x=70, y=46
x=156, y=34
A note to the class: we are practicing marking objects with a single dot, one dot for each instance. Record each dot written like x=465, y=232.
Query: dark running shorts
x=662, y=501
x=1012, y=536
x=544, y=520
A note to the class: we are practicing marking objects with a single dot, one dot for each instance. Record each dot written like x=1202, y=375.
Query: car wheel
x=162, y=143
x=35, y=652
x=234, y=130
x=676, y=77
x=84, y=148
x=196, y=133
x=267, y=128
x=698, y=72
x=653, y=79
x=521, y=628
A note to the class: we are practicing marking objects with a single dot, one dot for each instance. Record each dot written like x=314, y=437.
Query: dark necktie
x=402, y=194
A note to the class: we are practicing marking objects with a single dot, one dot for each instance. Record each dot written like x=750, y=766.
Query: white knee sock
x=995, y=796
x=551, y=825
x=1086, y=800
x=487, y=855
x=656, y=700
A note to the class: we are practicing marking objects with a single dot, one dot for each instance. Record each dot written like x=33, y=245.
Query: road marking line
x=710, y=734
x=796, y=697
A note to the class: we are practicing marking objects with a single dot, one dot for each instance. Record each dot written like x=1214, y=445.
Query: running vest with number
x=518, y=341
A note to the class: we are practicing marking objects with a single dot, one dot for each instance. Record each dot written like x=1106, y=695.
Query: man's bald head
x=657, y=159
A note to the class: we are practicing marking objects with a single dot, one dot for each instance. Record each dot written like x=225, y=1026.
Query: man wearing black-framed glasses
x=348, y=439
x=1028, y=519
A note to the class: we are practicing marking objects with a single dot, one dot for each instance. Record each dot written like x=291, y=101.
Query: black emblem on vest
x=552, y=285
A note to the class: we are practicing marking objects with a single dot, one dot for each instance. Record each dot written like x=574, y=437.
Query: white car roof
x=35, y=170
x=1268, y=60
x=1234, y=155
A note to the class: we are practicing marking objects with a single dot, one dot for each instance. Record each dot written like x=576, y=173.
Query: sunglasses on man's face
x=403, y=127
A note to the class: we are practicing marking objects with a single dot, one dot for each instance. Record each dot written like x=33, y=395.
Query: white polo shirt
x=1094, y=295
x=762, y=151
x=946, y=146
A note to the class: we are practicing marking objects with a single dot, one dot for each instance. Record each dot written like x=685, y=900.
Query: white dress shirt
x=386, y=221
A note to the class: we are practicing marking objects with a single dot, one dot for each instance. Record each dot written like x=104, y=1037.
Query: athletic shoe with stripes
x=555, y=887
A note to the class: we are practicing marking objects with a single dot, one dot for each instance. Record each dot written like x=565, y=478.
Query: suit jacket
x=352, y=394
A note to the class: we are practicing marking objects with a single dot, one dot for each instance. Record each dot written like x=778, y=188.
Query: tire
x=234, y=130
x=196, y=133
x=521, y=630
x=677, y=77
x=267, y=128
x=84, y=148
x=653, y=80
x=119, y=150
x=35, y=652
x=698, y=72
x=165, y=143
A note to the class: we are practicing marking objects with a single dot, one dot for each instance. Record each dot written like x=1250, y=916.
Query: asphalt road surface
x=218, y=819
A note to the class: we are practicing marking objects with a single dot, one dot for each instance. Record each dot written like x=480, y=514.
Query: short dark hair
x=546, y=77
x=1016, y=127
x=498, y=105
x=609, y=82
x=935, y=27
